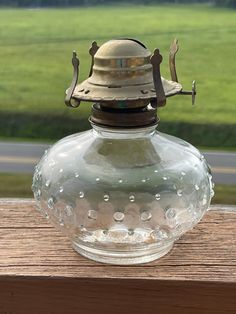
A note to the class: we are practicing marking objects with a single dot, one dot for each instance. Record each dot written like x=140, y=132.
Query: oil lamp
x=123, y=192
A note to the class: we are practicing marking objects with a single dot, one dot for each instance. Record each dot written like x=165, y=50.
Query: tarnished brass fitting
x=125, y=79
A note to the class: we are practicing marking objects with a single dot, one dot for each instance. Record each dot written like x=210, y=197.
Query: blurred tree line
x=54, y=3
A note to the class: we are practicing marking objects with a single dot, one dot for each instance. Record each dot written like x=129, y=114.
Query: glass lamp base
x=146, y=255
x=123, y=195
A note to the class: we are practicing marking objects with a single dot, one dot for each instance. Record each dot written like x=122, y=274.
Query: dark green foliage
x=211, y=135
x=55, y=3
x=226, y=3
x=30, y=125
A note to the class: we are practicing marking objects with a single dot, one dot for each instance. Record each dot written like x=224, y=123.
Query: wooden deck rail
x=40, y=272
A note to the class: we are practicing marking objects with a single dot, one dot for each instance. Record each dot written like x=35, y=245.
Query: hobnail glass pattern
x=123, y=196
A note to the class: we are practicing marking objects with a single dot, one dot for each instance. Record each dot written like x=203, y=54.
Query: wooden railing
x=40, y=272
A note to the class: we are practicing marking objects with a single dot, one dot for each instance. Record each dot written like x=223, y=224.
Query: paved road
x=22, y=157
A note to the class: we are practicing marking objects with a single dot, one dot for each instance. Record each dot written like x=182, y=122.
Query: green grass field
x=36, y=47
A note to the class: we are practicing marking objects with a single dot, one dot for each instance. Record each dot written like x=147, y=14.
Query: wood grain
x=40, y=272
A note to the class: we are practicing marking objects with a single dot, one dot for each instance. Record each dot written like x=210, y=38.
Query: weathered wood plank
x=85, y=296
x=29, y=244
x=40, y=272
